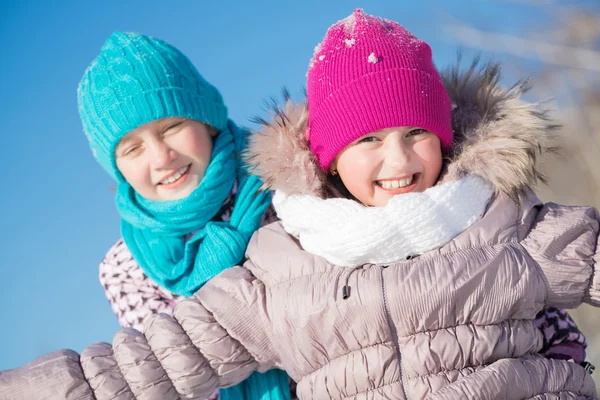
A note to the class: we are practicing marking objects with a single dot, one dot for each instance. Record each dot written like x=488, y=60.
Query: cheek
x=197, y=146
x=430, y=155
x=356, y=170
x=136, y=174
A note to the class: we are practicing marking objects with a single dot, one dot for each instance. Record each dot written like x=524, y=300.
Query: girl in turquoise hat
x=188, y=207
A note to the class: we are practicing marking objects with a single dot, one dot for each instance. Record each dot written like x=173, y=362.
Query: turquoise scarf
x=155, y=231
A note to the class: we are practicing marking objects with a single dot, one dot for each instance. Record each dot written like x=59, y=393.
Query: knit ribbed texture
x=346, y=233
x=155, y=233
x=138, y=79
x=370, y=74
x=272, y=385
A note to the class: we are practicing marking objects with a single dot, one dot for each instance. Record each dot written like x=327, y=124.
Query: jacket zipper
x=392, y=327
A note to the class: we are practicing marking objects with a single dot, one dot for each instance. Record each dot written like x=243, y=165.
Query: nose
x=397, y=152
x=162, y=155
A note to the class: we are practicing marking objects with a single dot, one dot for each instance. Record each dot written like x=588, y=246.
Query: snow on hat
x=138, y=79
x=369, y=74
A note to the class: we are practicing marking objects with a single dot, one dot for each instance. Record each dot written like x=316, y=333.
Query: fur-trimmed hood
x=497, y=136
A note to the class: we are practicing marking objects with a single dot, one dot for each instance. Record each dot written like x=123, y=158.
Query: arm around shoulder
x=187, y=355
x=564, y=242
x=56, y=375
x=206, y=344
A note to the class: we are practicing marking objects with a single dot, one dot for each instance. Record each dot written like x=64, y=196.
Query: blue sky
x=57, y=210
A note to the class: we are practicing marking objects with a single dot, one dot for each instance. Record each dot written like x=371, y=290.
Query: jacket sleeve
x=187, y=355
x=564, y=243
x=527, y=377
x=133, y=296
x=57, y=375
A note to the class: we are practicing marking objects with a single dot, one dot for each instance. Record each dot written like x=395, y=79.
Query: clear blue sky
x=57, y=211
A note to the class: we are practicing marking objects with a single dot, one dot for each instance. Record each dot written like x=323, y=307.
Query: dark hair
x=334, y=188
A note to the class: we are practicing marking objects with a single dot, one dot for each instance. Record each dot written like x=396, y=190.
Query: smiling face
x=393, y=161
x=165, y=159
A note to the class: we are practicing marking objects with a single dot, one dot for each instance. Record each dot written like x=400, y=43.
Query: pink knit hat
x=370, y=74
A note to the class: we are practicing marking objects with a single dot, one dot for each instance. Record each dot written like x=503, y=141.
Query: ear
x=333, y=166
x=212, y=131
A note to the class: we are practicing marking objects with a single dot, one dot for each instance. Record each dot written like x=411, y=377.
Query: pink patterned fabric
x=562, y=338
x=370, y=74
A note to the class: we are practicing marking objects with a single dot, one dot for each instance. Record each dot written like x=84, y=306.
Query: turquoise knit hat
x=138, y=79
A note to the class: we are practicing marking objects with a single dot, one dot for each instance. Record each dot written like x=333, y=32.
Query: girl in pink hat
x=411, y=259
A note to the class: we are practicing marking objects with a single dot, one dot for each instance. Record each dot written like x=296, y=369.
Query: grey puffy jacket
x=453, y=323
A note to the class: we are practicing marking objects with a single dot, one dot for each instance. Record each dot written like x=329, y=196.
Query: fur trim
x=279, y=153
x=497, y=136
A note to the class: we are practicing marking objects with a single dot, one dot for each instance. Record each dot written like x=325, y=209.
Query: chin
x=380, y=202
x=184, y=193
x=176, y=196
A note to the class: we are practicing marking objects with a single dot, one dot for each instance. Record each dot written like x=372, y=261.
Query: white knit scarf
x=347, y=233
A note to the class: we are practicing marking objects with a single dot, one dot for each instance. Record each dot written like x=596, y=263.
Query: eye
x=169, y=129
x=416, y=131
x=131, y=150
x=368, y=139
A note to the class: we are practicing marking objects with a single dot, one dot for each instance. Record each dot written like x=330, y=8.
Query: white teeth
x=177, y=175
x=396, y=184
